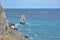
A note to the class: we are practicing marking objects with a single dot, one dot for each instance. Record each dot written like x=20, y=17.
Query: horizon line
x=31, y=8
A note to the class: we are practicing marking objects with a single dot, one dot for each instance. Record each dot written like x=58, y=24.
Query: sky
x=30, y=3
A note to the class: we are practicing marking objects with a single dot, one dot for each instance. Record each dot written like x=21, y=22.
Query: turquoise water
x=40, y=30
x=44, y=25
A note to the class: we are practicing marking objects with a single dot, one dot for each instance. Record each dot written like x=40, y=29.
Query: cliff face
x=6, y=32
x=3, y=20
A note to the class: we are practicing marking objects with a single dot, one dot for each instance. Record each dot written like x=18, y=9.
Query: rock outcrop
x=6, y=32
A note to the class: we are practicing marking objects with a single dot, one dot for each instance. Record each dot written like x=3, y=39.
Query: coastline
x=6, y=32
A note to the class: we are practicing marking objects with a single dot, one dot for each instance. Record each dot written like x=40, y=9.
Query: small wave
x=33, y=33
x=31, y=37
x=32, y=24
x=17, y=24
x=29, y=24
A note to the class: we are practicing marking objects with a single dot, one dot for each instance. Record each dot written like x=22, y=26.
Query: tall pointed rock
x=3, y=20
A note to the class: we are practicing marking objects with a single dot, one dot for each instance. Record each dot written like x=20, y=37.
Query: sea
x=40, y=24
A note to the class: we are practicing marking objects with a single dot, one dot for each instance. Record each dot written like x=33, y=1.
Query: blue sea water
x=41, y=24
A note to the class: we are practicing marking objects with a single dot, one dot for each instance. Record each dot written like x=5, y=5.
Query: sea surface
x=40, y=24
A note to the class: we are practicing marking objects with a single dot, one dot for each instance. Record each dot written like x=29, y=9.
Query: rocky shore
x=6, y=32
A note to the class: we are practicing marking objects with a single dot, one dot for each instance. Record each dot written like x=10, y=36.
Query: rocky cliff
x=6, y=32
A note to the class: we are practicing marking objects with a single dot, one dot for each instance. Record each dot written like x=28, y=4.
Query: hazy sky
x=30, y=3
